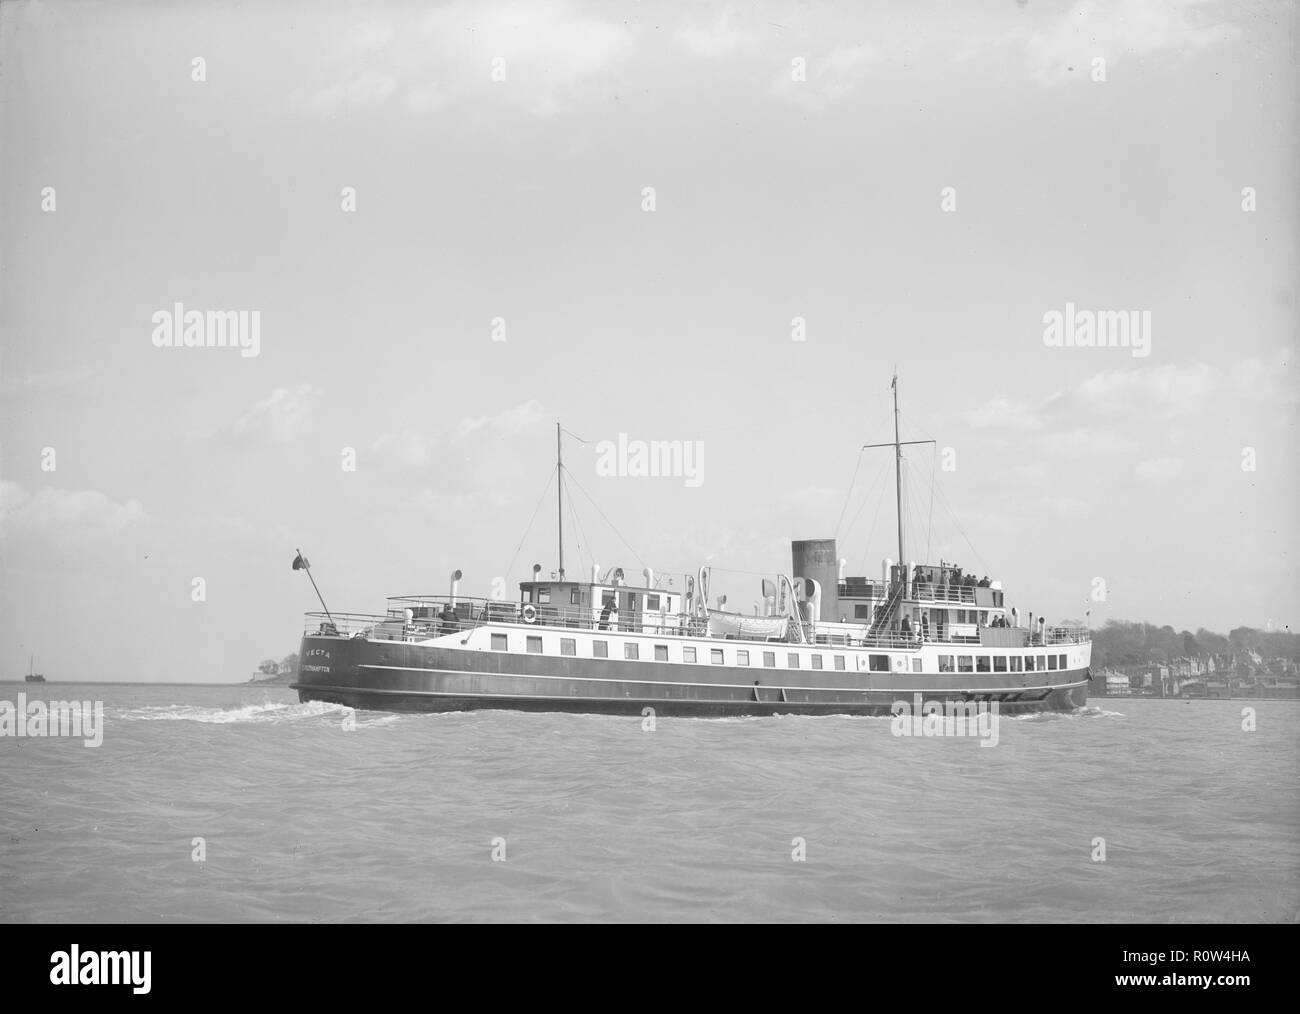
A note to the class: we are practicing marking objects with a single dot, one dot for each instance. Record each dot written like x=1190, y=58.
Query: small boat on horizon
x=32, y=675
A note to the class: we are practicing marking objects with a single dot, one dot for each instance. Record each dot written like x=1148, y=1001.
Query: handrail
x=394, y=626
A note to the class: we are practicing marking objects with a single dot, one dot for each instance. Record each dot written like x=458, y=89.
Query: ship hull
x=400, y=677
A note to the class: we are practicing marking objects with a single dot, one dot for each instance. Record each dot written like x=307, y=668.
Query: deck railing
x=471, y=613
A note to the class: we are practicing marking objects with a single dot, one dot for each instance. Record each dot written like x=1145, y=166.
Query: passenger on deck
x=906, y=628
x=448, y=619
x=984, y=581
x=604, y=615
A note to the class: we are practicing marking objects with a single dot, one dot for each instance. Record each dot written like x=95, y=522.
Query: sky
x=723, y=224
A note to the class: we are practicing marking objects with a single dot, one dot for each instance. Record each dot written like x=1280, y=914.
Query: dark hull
x=392, y=676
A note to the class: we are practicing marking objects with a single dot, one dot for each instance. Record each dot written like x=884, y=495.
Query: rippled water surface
x=305, y=819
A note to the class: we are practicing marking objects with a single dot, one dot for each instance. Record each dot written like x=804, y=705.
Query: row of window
x=632, y=650
x=1001, y=663
x=577, y=596
x=875, y=663
x=981, y=616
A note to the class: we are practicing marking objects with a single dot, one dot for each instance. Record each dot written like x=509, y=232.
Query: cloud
x=413, y=449
x=39, y=382
x=551, y=53
x=513, y=420
x=724, y=37
x=829, y=77
x=281, y=417
x=1000, y=413
x=63, y=513
x=1082, y=441
x=366, y=90
x=370, y=35
x=1171, y=390
x=1119, y=29
x=1160, y=468
x=406, y=449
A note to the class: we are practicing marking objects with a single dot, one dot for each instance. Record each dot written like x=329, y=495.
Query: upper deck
x=416, y=618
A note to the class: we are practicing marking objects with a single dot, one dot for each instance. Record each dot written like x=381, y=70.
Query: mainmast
x=898, y=446
x=559, y=494
x=898, y=468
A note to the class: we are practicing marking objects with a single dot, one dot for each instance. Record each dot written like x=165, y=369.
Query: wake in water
x=268, y=712
x=1090, y=711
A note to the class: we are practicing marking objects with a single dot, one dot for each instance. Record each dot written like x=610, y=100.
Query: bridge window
x=543, y=595
x=500, y=642
x=999, y=663
x=575, y=597
x=715, y=656
x=945, y=663
x=861, y=612
x=568, y=646
x=965, y=663
x=742, y=657
x=839, y=662
x=661, y=653
x=608, y=598
x=878, y=663
x=600, y=649
x=981, y=663
x=631, y=650
x=688, y=654
x=534, y=644
x=769, y=659
x=652, y=603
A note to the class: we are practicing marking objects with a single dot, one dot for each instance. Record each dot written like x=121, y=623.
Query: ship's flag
x=300, y=563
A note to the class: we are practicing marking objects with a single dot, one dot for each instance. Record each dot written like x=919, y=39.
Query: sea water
x=238, y=803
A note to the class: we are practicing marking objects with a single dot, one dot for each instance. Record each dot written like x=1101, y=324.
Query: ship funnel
x=844, y=563
x=649, y=577
x=595, y=573
x=537, y=569
x=455, y=585
x=817, y=560
x=886, y=569
x=1015, y=616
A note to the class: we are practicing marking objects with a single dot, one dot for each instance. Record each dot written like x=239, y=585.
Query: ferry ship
x=825, y=644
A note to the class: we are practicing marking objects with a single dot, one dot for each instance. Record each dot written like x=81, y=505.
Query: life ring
x=530, y=613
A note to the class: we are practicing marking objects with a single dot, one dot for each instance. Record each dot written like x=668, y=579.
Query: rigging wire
x=849, y=496
x=606, y=519
x=549, y=478
x=929, y=531
x=580, y=531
